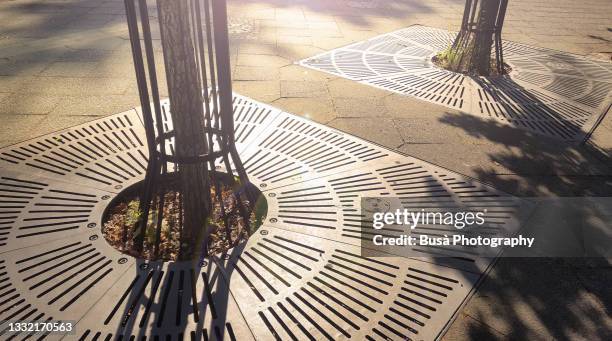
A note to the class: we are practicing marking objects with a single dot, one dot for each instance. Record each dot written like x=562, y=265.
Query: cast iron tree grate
x=302, y=275
x=548, y=92
x=195, y=46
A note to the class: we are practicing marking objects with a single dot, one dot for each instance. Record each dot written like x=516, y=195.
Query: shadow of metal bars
x=209, y=33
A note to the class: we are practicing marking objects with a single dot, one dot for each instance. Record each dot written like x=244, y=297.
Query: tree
x=480, y=30
x=185, y=93
x=195, y=45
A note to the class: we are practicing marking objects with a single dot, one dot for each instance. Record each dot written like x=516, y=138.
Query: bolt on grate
x=35, y=210
x=548, y=92
x=301, y=277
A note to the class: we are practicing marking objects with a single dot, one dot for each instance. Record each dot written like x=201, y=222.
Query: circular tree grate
x=300, y=276
x=549, y=92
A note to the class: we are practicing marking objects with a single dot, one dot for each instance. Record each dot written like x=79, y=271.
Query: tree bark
x=471, y=50
x=185, y=92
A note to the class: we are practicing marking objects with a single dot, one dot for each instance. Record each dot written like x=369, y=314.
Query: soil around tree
x=229, y=224
x=441, y=60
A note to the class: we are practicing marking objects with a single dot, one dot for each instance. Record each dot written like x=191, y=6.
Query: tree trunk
x=185, y=92
x=471, y=50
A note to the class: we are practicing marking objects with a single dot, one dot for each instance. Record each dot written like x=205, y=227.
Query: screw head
x=263, y=232
x=91, y=225
x=118, y=187
x=271, y=195
x=144, y=266
x=105, y=197
x=122, y=260
x=203, y=263
x=94, y=237
x=262, y=185
x=273, y=220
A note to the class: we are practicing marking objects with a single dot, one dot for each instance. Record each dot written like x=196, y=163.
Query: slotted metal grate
x=301, y=276
x=106, y=153
x=35, y=210
x=548, y=92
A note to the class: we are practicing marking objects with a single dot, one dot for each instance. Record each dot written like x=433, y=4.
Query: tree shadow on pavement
x=533, y=298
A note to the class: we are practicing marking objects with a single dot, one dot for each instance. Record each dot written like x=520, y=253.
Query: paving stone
x=381, y=130
x=303, y=89
x=14, y=83
x=399, y=106
x=261, y=60
x=468, y=328
x=510, y=301
x=345, y=88
x=549, y=185
x=328, y=43
x=359, y=107
x=71, y=86
x=255, y=73
x=109, y=69
x=85, y=55
x=28, y=104
x=266, y=91
x=490, y=159
x=52, y=123
x=17, y=128
x=93, y=106
x=320, y=110
x=257, y=48
x=16, y=67
x=426, y=130
x=69, y=69
x=297, y=73
x=291, y=51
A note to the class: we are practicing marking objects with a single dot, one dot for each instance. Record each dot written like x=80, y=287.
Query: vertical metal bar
x=147, y=119
x=140, y=71
x=202, y=59
x=146, y=32
x=496, y=40
x=161, y=166
x=211, y=35
x=502, y=16
x=464, y=23
x=202, y=56
x=226, y=105
x=222, y=55
x=211, y=61
x=199, y=39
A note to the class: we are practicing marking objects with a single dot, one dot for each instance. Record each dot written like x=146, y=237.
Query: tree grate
x=548, y=92
x=301, y=276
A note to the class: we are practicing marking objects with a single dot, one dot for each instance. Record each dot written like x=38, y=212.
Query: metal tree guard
x=208, y=22
x=469, y=25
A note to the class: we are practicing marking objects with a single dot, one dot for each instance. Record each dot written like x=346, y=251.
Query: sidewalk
x=67, y=62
